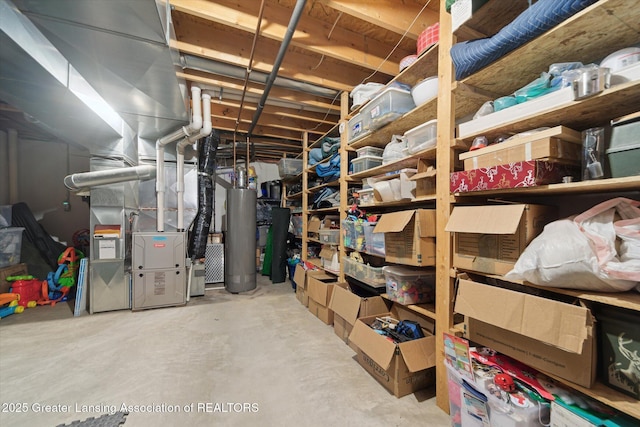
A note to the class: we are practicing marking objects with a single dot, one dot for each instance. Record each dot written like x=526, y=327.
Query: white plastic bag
x=583, y=252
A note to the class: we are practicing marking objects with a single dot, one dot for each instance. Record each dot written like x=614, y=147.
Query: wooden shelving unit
x=616, y=26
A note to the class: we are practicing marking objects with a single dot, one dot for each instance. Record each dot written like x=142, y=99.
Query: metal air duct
x=78, y=181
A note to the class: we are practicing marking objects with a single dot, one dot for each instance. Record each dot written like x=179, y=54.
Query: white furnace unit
x=158, y=269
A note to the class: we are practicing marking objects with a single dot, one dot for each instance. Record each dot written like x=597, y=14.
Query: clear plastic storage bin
x=374, y=242
x=10, y=245
x=365, y=196
x=364, y=163
x=330, y=236
x=370, y=151
x=289, y=167
x=358, y=127
x=372, y=276
x=353, y=234
x=409, y=285
x=387, y=106
x=421, y=137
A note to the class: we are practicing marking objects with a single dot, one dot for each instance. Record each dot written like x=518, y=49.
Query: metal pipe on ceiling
x=293, y=23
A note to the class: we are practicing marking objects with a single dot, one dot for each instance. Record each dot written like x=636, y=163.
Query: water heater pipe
x=205, y=131
x=185, y=131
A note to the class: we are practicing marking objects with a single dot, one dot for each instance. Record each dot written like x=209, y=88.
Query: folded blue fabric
x=469, y=57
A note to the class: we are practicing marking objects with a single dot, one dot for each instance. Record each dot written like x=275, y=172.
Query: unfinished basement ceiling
x=337, y=45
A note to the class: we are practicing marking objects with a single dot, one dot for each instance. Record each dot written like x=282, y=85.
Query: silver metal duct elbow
x=78, y=181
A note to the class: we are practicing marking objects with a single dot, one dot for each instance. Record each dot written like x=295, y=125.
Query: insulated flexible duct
x=206, y=169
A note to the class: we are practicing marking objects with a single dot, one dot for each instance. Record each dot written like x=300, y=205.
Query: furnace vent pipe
x=83, y=180
x=205, y=131
x=13, y=166
x=186, y=131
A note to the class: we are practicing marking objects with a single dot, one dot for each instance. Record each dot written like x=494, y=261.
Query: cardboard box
x=558, y=144
x=330, y=258
x=315, y=224
x=425, y=179
x=409, y=236
x=401, y=368
x=490, y=238
x=512, y=175
x=12, y=270
x=302, y=296
x=548, y=335
x=348, y=307
x=320, y=289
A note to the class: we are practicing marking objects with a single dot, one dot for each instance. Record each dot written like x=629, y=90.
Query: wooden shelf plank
x=611, y=185
x=413, y=118
x=321, y=186
x=407, y=162
x=490, y=18
x=294, y=196
x=606, y=395
x=598, y=110
x=325, y=210
x=428, y=310
x=617, y=27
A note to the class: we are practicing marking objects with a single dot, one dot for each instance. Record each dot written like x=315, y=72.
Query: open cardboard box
x=409, y=236
x=348, y=307
x=401, y=368
x=548, y=335
x=301, y=278
x=12, y=270
x=425, y=179
x=320, y=289
x=490, y=238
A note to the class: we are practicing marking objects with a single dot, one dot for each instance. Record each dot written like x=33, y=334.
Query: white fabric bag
x=591, y=251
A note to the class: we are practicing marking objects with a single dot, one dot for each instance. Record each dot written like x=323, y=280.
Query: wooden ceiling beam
x=198, y=38
x=388, y=14
x=257, y=89
x=228, y=124
x=309, y=116
x=311, y=34
x=227, y=112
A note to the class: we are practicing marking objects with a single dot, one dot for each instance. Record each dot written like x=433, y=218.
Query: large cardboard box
x=425, y=179
x=301, y=278
x=348, y=307
x=401, y=368
x=548, y=335
x=320, y=289
x=409, y=236
x=12, y=270
x=302, y=296
x=558, y=144
x=490, y=238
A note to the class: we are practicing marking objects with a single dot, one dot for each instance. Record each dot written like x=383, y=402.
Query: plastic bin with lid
x=365, y=197
x=353, y=234
x=329, y=236
x=410, y=285
x=421, y=137
x=361, y=164
x=370, y=151
x=374, y=242
x=358, y=127
x=372, y=276
x=289, y=167
x=388, y=106
x=10, y=246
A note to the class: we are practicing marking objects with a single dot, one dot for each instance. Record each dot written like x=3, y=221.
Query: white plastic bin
x=361, y=164
x=421, y=137
x=410, y=285
x=388, y=106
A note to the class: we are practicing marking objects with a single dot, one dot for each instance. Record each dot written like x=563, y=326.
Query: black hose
x=207, y=148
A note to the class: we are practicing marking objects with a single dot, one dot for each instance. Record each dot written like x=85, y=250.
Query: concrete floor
x=261, y=357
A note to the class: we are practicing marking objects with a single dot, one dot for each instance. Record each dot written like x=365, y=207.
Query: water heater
x=240, y=241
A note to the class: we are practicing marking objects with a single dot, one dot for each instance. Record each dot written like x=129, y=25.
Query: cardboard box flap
x=327, y=252
x=300, y=276
x=563, y=325
x=429, y=173
x=419, y=354
x=393, y=222
x=426, y=222
x=488, y=219
x=372, y=344
x=345, y=303
x=555, y=323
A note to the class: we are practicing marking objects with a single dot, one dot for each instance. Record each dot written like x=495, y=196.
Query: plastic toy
x=13, y=306
x=8, y=297
x=27, y=288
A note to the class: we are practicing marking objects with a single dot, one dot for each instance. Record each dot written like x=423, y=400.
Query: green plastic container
x=624, y=148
